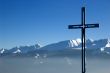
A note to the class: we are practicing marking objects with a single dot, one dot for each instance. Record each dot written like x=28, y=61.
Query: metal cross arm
x=91, y=25
x=86, y=26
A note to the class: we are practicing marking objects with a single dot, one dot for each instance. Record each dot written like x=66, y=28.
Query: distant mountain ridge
x=62, y=48
x=24, y=49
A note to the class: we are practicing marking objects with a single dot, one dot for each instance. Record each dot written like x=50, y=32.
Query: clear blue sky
x=26, y=22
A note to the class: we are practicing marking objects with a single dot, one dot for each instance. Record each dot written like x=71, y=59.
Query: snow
x=73, y=43
x=102, y=49
x=78, y=40
x=17, y=51
x=108, y=43
x=2, y=51
x=38, y=45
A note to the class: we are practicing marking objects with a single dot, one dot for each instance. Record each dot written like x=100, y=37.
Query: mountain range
x=94, y=48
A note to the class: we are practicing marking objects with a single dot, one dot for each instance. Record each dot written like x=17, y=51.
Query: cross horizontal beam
x=81, y=26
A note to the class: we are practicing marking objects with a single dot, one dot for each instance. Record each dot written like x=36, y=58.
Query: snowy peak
x=78, y=40
x=2, y=51
x=73, y=43
x=62, y=45
x=37, y=46
x=24, y=49
x=102, y=49
x=17, y=51
x=108, y=43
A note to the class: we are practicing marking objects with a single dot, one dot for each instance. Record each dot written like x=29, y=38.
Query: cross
x=83, y=26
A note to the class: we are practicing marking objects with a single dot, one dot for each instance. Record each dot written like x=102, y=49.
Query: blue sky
x=26, y=22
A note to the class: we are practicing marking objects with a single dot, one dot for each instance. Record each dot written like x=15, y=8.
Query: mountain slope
x=62, y=45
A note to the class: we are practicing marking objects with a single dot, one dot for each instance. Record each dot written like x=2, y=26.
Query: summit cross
x=83, y=26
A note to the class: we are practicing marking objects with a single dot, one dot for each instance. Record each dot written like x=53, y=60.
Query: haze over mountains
x=63, y=48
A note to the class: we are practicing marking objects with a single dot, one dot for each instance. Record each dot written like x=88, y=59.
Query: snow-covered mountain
x=67, y=47
x=24, y=49
x=76, y=44
x=3, y=50
x=93, y=47
x=62, y=45
x=21, y=49
x=17, y=51
x=106, y=49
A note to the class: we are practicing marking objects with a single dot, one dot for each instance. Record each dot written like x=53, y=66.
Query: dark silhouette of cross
x=83, y=26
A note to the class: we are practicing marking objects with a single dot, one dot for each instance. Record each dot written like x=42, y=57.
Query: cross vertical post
x=83, y=39
x=83, y=26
